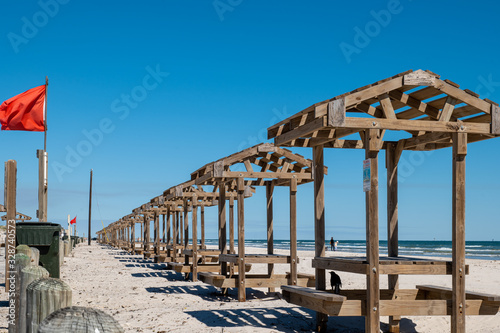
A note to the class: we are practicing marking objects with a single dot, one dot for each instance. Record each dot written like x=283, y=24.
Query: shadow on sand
x=281, y=319
x=285, y=319
x=212, y=294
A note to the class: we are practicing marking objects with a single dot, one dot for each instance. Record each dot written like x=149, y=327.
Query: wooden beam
x=385, y=102
x=448, y=108
x=463, y=96
x=336, y=112
x=319, y=227
x=495, y=119
x=417, y=106
x=373, y=91
x=458, y=234
x=372, y=321
x=298, y=132
x=419, y=78
x=416, y=125
x=425, y=139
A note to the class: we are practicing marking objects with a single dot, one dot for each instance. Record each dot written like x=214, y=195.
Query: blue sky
x=145, y=93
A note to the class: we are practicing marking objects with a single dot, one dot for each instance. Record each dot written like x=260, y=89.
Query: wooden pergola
x=261, y=165
x=429, y=113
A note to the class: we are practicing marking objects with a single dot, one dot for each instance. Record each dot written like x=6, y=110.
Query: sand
x=145, y=297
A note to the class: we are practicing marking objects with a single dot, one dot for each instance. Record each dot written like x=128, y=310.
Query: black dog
x=335, y=282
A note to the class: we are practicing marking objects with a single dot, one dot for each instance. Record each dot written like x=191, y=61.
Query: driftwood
x=45, y=296
x=28, y=275
x=22, y=261
x=77, y=319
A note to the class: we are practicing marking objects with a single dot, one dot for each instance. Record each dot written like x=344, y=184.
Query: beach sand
x=144, y=297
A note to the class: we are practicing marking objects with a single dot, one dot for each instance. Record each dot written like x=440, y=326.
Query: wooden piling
x=78, y=319
x=21, y=261
x=44, y=296
x=28, y=275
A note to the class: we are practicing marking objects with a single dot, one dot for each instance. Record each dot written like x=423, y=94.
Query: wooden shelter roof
x=418, y=102
x=19, y=216
x=256, y=164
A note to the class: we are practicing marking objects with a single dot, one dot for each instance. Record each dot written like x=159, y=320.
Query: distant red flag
x=73, y=221
x=24, y=112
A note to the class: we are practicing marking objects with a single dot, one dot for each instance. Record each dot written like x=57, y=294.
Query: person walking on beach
x=335, y=245
x=331, y=244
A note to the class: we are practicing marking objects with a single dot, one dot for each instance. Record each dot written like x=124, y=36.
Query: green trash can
x=45, y=237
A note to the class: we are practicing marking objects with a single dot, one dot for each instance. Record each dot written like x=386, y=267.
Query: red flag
x=24, y=112
x=73, y=221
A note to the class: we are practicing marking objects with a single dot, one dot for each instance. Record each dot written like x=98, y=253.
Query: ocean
x=487, y=250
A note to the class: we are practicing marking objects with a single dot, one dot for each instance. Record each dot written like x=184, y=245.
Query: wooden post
x=186, y=230
x=90, y=209
x=132, y=235
x=44, y=296
x=372, y=321
x=145, y=237
x=458, y=234
x=241, y=240
x=222, y=225
x=164, y=229
x=231, y=225
x=392, y=159
x=79, y=319
x=202, y=217
x=231, y=232
x=194, y=217
x=270, y=228
x=28, y=275
x=319, y=227
x=169, y=219
x=21, y=261
x=181, y=228
x=10, y=237
x=175, y=238
x=157, y=233
x=293, y=232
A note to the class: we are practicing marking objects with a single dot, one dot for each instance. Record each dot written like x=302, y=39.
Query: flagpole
x=45, y=116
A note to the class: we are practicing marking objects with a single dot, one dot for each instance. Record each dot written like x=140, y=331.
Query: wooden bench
x=423, y=301
x=253, y=280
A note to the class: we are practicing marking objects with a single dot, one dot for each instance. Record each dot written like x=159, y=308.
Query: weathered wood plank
x=336, y=112
x=372, y=322
x=458, y=233
x=319, y=226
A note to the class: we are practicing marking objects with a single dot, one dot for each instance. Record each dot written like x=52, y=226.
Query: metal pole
x=90, y=206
